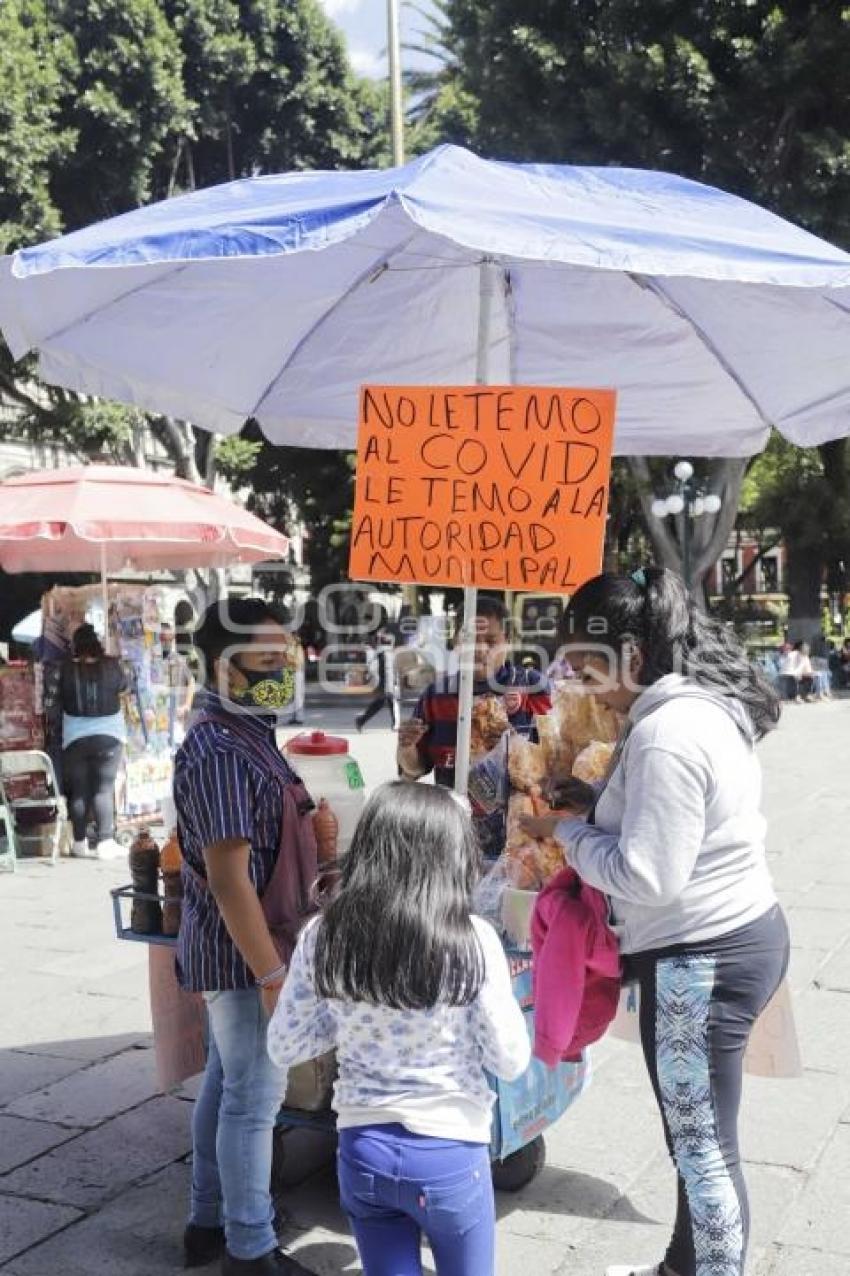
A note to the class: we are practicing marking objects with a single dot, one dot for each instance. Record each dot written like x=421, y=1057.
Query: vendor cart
x=523, y=1109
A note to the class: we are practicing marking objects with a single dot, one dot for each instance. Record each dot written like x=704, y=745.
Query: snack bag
x=582, y=718
x=530, y=862
x=489, y=723
x=593, y=762
x=526, y=764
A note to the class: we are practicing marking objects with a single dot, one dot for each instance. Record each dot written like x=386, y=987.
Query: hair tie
x=639, y=578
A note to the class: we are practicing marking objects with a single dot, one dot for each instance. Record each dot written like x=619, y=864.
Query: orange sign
x=502, y=487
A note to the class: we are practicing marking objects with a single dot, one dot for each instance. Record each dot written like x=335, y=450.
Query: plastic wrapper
x=489, y=786
x=530, y=862
x=526, y=765
x=487, y=896
x=591, y=765
x=489, y=723
x=581, y=718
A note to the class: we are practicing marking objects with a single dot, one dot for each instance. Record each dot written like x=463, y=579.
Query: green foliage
x=271, y=90
x=126, y=102
x=108, y=104
x=793, y=489
x=748, y=94
x=236, y=457
x=34, y=61
x=315, y=485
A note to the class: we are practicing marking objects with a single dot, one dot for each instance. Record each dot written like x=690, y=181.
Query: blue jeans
x=395, y=1186
x=232, y=1126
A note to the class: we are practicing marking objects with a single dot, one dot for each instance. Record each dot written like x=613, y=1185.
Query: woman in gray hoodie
x=675, y=838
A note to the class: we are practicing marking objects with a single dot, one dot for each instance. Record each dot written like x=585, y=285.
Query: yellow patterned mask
x=268, y=690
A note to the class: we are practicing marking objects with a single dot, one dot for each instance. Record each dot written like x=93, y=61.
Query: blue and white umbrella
x=276, y=297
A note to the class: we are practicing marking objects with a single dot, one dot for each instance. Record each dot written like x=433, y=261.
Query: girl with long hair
x=413, y=992
x=675, y=838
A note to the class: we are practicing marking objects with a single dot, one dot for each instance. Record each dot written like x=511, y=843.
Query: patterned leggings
x=697, y=1007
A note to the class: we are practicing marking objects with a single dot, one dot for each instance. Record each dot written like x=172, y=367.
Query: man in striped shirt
x=428, y=741
x=230, y=808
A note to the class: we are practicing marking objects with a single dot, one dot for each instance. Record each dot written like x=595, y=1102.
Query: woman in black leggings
x=93, y=736
x=675, y=838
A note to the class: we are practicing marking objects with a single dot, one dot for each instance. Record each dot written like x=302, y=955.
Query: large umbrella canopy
x=104, y=518
x=276, y=297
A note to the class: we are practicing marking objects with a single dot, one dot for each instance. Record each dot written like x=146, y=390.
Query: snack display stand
x=523, y=1108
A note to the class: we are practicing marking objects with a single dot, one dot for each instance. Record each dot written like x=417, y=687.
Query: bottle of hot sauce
x=146, y=914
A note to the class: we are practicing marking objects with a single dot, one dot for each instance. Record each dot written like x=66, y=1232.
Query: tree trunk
x=710, y=532
x=805, y=574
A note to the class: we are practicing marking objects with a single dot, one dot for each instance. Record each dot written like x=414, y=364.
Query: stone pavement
x=93, y=1161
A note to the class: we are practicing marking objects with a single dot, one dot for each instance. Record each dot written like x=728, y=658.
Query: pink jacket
x=576, y=968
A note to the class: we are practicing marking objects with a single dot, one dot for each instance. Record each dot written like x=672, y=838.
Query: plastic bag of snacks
x=593, y=762
x=576, y=721
x=489, y=723
x=530, y=862
x=526, y=764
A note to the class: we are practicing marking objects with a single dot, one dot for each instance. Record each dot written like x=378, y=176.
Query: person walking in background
x=676, y=840
x=414, y=993
x=244, y=821
x=382, y=669
x=91, y=690
x=179, y=683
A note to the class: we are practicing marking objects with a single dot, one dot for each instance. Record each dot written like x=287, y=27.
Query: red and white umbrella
x=104, y=518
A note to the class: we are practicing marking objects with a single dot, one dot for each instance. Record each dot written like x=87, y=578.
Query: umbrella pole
x=104, y=595
x=486, y=293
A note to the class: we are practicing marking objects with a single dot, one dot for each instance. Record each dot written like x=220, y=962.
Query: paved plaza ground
x=94, y=1161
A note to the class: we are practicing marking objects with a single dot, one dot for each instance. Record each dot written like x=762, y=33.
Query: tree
x=805, y=492
x=126, y=102
x=316, y=486
x=112, y=103
x=746, y=94
x=271, y=90
x=33, y=65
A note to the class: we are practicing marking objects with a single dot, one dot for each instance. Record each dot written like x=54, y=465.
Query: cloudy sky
x=364, y=24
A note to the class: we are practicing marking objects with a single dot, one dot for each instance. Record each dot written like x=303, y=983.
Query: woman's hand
x=540, y=826
x=570, y=794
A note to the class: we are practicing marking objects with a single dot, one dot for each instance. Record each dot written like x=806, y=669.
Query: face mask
x=269, y=690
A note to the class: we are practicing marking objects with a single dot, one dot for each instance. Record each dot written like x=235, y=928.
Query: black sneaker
x=202, y=1245
x=274, y=1264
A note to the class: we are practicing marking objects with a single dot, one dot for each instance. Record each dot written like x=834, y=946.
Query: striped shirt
x=221, y=792
x=438, y=708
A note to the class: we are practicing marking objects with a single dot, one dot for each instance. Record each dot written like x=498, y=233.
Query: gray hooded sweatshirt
x=678, y=838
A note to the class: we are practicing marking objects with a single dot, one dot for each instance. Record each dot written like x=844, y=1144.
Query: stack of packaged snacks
x=576, y=721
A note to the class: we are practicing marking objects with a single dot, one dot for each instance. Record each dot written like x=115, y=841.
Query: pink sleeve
x=560, y=953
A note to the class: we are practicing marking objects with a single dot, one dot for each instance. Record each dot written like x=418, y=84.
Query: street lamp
x=686, y=501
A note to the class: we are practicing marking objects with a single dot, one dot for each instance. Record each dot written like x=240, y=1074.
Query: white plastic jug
x=330, y=772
